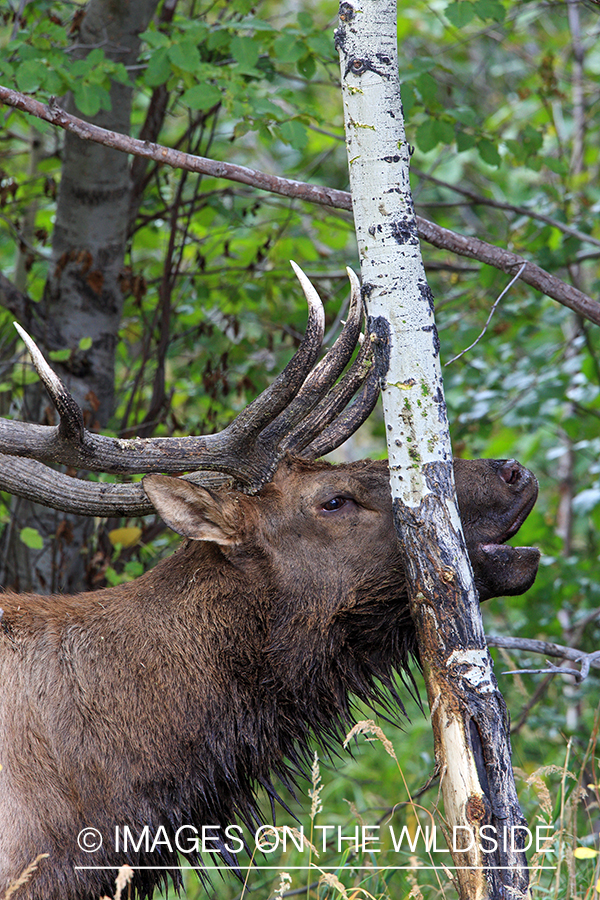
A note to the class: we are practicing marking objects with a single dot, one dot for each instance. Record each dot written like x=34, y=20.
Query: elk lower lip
x=503, y=570
x=493, y=548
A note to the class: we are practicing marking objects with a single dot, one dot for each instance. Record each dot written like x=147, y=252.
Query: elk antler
x=303, y=411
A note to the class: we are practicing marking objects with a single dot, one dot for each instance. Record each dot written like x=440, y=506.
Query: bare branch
x=23, y=308
x=175, y=158
x=533, y=275
x=471, y=247
x=510, y=207
x=13, y=300
x=488, y=320
x=587, y=660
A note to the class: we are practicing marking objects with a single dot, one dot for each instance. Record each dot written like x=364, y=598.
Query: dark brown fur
x=170, y=700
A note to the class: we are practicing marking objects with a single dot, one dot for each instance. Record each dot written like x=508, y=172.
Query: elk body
x=171, y=700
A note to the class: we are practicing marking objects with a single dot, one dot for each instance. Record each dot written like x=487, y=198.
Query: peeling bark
x=469, y=718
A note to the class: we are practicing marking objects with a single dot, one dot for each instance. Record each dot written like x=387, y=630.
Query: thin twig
x=587, y=661
x=489, y=318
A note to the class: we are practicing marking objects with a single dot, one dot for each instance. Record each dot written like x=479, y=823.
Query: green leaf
x=196, y=31
x=155, y=38
x=307, y=66
x=96, y=57
x=88, y=98
x=257, y=25
x=305, y=21
x=159, y=68
x=409, y=98
x=423, y=64
x=218, y=40
x=321, y=44
x=185, y=56
x=460, y=13
x=201, y=96
x=527, y=147
x=464, y=141
x=32, y=538
x=532, y=138
x=464, y=114
x=488, y=152
x=427, y=87
x=30, y=76
x=85, y=343
x=242, y=128
x=294, y=133
x=245, y=51
x=426, y=136
x=60, y=355
x=288, y=49
x=54, y=83
x=490, y=9
x=516, y=148
x=445, y=131
x=558, y=166
x=433, y=132
x=264, y=107
x=6, y=68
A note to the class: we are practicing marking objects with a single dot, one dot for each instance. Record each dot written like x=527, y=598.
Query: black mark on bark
x=435, y=338
x=379, y=329
x=404, y=231
x=360, y=65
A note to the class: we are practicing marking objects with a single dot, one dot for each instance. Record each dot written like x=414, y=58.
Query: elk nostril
x=511, y=471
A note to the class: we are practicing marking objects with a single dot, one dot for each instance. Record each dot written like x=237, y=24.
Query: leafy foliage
x=500, y=102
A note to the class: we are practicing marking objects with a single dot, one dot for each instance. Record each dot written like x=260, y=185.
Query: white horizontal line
x=284, y=868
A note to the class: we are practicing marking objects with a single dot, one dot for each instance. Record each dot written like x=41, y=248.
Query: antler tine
x=348, y=421
x=284, y=388
x=71, y=418
x=333, y=403
x=323, y=376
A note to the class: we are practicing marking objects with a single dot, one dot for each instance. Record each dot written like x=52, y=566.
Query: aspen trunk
x=469, y=718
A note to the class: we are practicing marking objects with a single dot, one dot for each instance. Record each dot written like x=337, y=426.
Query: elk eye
x=334, y=504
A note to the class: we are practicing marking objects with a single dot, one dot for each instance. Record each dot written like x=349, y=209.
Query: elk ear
x=192, y=511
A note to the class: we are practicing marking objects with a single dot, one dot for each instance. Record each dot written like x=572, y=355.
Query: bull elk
x=173, y=699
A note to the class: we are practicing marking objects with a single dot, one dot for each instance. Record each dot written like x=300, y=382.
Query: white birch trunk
x=468, y=713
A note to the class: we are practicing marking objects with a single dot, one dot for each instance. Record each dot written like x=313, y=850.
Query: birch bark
x=469, y=717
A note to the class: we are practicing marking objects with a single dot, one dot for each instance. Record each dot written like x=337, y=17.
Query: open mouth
x=501, y=569
x=515, y=525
